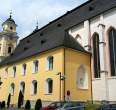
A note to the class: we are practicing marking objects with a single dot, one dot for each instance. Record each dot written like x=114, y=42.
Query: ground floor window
x=34, y=87
x=12, y=88
x=49, y=85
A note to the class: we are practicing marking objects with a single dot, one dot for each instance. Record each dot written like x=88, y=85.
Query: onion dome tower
x=8, y=37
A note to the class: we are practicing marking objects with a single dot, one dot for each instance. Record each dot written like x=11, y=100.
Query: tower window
x=11, y=28
x=9, y=50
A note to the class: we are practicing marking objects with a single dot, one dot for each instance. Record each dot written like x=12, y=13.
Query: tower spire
x=37, y=25
x=10, y=13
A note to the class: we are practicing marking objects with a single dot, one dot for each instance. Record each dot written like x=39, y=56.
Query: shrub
x=27, y=105
x=3, y=104
x=38, y=104
x=20, y=99
x=8, y=101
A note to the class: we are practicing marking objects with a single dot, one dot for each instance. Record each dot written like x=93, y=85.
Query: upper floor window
x=49, y=86
x=12, y=88
x=35, y=66
x=14, y=71
x=96, y=57
x=6, y=73
x=50, y=63
x=34, y=87
x=112, y=49
x=24, y=69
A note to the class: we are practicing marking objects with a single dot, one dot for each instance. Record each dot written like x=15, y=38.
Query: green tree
x=8, y=101
x=28, y=105
x=20, y=99
x=38, y=104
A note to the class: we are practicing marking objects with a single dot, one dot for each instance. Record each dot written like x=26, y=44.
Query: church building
x=46, y=65
x=75, y=53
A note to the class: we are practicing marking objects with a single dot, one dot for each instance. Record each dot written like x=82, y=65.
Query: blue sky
x=27, y=12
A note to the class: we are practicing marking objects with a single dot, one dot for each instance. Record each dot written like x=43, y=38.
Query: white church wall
x=103, y=88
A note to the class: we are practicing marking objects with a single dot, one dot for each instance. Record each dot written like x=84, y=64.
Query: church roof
x=54, y=34
x=40, y=43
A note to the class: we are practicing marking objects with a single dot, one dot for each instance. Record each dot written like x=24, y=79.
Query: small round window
x=11, y=28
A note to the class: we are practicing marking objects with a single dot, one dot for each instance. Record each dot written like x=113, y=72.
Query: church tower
x=8, y=38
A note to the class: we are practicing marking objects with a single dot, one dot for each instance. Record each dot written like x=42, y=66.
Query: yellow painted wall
x=41, y=77
x=73, y=60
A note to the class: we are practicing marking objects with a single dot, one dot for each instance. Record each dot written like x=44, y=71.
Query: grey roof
x=38, y=44
x=54, y=34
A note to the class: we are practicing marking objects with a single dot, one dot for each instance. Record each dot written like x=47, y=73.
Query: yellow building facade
x=66, y=61
x=49, y=64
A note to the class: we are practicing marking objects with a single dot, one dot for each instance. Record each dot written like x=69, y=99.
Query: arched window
x=22, y=87
x=50, y=63
x=112, y=49
x=14, y=71
x=12, y=88
x=35, y=66
x=34, y=87
x=96, y=57
x=49, y=86
x=24, y=69
x=9, y=50
x=78, y=38
x=82, y=78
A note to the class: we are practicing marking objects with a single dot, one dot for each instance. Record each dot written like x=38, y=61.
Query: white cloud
x=25, y=12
